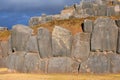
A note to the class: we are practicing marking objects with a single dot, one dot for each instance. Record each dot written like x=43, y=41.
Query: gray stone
x=61, y=41
x=62, y=65
x=85, y=5
x=32, y=45
x=43, y=65
x=104, y=35
x=81, y=46
x=118, y=22
x=111, y=11
x=19, y=37
x=88, y=26
x=4, y=48
x=114, y=62
x=44, y=43
x=90, y=11
x=34, y=21
x=3, y=62
x=96, y=63
x=15, y=62
x=118, y=43
x=102, y=10
x=31, y=62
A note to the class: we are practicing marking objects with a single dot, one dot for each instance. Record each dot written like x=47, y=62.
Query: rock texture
x=61, y=42
x=104, y=35
x=81, y=46
x=44, y=43
x=19, y=37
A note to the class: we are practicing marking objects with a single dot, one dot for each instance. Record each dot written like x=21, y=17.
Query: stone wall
x=86, y=8
x=96, y=50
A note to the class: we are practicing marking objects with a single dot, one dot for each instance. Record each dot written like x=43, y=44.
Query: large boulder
x=104, y=35
x=62, y=65
x=19, y=37
x=44, y=43
x=15, y=61
x=114, y=62
x=81, y=46
x=96, y=63
x=32, y=45
x=31, y=62
x=102, y=10
x=88, y=26
x=61, y=41
x=111, y=11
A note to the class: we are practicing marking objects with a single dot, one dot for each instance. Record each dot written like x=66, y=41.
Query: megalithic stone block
x=44, y=43
x=104, y=35
x=81, y=46
x=62, y=65
x=19, y=37
x=88, y=26
x=96, y=63
x=61, y=42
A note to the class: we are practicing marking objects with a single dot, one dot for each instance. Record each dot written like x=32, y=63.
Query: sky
x=19, y=11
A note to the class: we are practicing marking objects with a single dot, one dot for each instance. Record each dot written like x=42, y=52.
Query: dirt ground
x=5, y=75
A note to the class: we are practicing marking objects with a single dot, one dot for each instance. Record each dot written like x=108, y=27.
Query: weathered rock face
x=44, y=43
x=32, y=44
x=104, y=35
x=61, y=42
x=111, y=11
x=81, y=46
x=23, y=62
x=31, y=62
x=19, y=37
x=4, y=48
x=115, y=63
x=102, y=10
x=62, y=65
x=96, y=63
x=15, y=62
x=118, y=22
x=118, y=44
x=88, y=26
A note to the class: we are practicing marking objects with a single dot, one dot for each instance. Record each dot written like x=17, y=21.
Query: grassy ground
x=4, y=75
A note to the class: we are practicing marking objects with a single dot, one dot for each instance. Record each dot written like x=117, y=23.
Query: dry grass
x=73, y=24
x=4, y=75
x=4, y=35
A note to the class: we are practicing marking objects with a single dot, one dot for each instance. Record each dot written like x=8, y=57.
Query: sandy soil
x=5, y=75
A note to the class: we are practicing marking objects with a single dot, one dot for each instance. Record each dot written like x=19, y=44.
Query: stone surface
x=61, y=42
x=19, y=37
x=104, y=35
x=31, y=62
x=111, y=11
x=4, y=48
x=3, y=62
x=96, y=63
x=102, y=10
x=118, y=43
x=62, y=65
x=15, y=62
x=44, y=43
x=32, y=45
x=115, y=62
x=81, y=46
x=117, y=22
x=88, y=26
